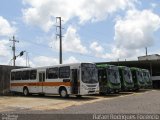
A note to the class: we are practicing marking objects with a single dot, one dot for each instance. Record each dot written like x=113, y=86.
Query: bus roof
x=145, y=70
x=123, y=67
x=59, y=65
x=135, y=68
x=105, y=66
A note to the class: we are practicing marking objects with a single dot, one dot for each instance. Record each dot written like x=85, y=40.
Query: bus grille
x=91, y=85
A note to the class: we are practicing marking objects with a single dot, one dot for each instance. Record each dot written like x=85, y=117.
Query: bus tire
x=25, y=91
x=63, y=92
x=116, y=91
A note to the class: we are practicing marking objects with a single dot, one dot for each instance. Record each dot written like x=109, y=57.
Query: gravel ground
x=143, y=102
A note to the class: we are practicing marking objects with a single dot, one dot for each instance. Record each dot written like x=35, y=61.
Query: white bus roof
x=59, y=65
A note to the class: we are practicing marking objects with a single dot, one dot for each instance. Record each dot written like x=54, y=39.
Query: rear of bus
x=23, y=78
x=109, y=79
x=126, y=78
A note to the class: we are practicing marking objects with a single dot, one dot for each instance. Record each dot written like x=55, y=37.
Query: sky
x=93, y=30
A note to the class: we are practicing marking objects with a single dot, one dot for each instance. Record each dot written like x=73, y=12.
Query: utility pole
x=60, y=38
x=26, y=59
x=14, y=49
x=146, y=51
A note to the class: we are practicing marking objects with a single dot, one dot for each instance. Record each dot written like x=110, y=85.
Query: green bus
x=109, y=80
x=137, y=76
x=147, y=78
x=126, y=78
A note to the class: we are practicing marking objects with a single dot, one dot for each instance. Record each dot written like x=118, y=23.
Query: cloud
x=49, y=61
x=6, y=57
x=71, y=42
x=133, y=33
x=37, y=61
x=153, y=5
x=5, y=27
x=44, y=60
x=71, y=60
x=21, y=61
x=5, y=52
x=122, y=53
x=136, y=29
x=42, y=12
x=4, y=46
x=96, y=47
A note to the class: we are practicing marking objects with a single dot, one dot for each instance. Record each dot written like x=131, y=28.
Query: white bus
x=76, y=79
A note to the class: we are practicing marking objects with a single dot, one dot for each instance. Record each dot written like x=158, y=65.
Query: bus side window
x=25, y=75
x=52, y=73
x=18, y=75
x=33, y=74
x=64, y=72
x=12, y=75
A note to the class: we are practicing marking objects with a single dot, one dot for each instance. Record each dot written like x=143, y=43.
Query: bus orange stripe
x=42, y=84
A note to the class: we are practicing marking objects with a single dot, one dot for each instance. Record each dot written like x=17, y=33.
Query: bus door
x=41, y=81
x=74, y=81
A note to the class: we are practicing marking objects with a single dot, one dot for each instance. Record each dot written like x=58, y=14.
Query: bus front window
x=89, y=73
x=113, y=76
x=140, y=76
x=127, y=76
x=146, y=76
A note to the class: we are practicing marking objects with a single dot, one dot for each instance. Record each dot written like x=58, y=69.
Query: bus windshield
x=89, y=73
x=146, y=76
x=127, y=76
x=140, y=76
x=113, y=76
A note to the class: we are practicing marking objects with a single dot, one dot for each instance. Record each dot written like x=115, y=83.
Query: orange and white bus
x=65, y=79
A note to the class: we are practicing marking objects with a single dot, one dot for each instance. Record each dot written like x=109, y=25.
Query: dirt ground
x=40, y=103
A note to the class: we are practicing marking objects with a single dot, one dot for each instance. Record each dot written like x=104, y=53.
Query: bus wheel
x=25, y=92
x=116, y=91
x=63, y=93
